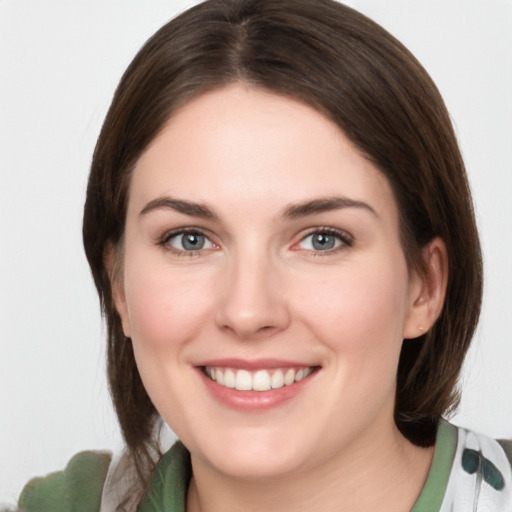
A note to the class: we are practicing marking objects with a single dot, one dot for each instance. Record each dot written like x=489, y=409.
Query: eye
x=187, y=241
x=325, y=240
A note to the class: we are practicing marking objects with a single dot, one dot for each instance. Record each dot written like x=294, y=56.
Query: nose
x=253, y=303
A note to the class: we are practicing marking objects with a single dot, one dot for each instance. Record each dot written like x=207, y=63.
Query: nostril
x=250, y=332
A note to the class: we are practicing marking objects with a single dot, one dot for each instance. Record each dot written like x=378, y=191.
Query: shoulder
x=77, y=488
x=482, y=451
x=482, y=470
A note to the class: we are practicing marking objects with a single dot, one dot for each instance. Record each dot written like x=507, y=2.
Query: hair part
x=355, y=73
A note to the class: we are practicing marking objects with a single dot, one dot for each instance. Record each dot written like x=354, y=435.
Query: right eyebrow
x=181, y=206
x=324, y=204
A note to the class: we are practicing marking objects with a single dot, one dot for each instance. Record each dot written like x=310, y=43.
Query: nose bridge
x=253, y=303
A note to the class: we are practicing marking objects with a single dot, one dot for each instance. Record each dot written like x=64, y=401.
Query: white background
x=59, y=64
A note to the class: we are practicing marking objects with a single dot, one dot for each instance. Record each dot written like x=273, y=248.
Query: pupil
x=193, y=241
x=322, y=242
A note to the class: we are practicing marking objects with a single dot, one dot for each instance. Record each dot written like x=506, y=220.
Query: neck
x=380, y=471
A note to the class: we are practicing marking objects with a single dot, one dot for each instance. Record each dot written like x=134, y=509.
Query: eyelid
x=346, y=239
x=164, y=239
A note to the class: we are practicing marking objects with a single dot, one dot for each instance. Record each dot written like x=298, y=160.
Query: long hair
x=359, y=76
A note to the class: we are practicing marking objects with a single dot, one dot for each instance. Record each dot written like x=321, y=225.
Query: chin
x=259, y=467
x=255, y=457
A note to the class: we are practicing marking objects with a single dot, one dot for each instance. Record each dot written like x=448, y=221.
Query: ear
x=113, y=265
x=428, y=290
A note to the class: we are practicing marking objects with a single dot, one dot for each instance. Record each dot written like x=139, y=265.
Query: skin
x=260, y=289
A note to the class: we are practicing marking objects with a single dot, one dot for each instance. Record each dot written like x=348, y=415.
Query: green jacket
x=79, y=487
x=76, y=489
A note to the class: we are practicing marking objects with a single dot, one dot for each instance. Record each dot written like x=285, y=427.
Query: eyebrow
x=324, y=205
x=293, y=211
x=181, y=206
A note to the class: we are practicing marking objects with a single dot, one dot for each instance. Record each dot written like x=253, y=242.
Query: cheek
x=165, y=307
x=360, y=312
x=359, y=317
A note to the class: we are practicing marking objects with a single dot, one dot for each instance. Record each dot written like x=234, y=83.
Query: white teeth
x=229, y=379
x=277, y=379
x=243, y=380
x=289, y=377
x=261, y=380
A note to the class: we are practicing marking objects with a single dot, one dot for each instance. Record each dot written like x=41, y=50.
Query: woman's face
x=262, y=249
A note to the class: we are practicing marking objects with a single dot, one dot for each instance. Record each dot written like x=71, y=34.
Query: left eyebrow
x=325, y=204
x=179, y=205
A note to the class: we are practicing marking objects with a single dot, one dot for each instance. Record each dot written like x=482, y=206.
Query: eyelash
x=346, y=241
x=168, y=236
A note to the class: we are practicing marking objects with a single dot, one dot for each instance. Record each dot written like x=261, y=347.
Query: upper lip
x=255, y=364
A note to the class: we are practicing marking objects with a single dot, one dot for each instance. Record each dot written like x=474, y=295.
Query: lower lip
x=249, y=401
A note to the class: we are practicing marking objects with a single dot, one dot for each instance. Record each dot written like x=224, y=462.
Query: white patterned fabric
x=481, y=476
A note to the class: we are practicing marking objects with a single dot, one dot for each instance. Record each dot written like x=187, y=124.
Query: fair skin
x=291, y=263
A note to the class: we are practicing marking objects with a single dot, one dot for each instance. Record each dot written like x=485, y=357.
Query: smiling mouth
x=260, y=380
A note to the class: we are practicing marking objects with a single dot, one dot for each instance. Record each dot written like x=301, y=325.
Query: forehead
x=246, y=146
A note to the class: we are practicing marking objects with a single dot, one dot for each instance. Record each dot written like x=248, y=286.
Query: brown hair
x=354, y=72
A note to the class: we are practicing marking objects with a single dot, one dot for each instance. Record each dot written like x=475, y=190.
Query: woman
x=280, y=229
